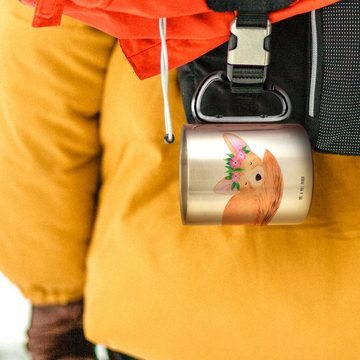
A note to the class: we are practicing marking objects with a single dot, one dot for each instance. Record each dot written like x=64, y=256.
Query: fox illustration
x=256, y=184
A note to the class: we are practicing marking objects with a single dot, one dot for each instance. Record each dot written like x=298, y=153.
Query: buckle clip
x=248, y=56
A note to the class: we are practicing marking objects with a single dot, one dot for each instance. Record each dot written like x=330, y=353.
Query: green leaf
x=228, y=177
x=233, y=186
x=245, y=150
x=239, y=169
x=229, y=168
x=230, y=155
x=238, y=186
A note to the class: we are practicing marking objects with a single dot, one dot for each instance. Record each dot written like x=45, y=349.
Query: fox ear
x=235, y=143
x=224, y=187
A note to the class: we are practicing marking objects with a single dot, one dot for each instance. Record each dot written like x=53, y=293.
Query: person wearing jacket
x=90, y=204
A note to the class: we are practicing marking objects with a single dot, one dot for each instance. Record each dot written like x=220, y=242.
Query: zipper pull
x=48, y=13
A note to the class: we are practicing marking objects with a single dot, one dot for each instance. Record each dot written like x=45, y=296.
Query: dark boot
x=56, y=333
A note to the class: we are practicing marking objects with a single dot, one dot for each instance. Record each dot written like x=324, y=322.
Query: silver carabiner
x=222, y=77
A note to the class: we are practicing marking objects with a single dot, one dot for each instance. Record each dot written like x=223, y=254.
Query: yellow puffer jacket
x=153, y=287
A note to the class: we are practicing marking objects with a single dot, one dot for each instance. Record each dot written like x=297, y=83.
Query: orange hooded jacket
x=192, y=28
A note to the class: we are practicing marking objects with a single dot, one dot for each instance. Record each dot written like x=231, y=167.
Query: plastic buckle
x=248, y=57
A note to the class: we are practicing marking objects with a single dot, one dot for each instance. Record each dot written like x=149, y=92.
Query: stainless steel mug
x=245, y=174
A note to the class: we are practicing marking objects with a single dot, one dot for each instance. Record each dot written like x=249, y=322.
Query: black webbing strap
x=249, y=6
x=245, y=76
x=248, y=19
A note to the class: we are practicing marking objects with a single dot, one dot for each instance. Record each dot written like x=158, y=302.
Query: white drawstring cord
x=169, y=137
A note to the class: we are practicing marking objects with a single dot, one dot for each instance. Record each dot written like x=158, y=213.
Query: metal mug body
x=242, y=174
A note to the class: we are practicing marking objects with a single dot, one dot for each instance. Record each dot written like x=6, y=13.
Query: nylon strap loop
x=254, y=6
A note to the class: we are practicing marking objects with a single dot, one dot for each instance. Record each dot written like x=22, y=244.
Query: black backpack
x=315, y=59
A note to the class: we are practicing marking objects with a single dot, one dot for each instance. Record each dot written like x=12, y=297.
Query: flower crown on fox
x=233, y=166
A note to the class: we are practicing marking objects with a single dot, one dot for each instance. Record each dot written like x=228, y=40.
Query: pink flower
x=237, y=159
x=235, y=177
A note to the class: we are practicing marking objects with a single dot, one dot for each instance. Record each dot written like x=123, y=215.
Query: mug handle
x=221, y=76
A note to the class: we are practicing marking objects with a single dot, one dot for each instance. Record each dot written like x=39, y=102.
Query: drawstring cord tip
x=169, y=139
